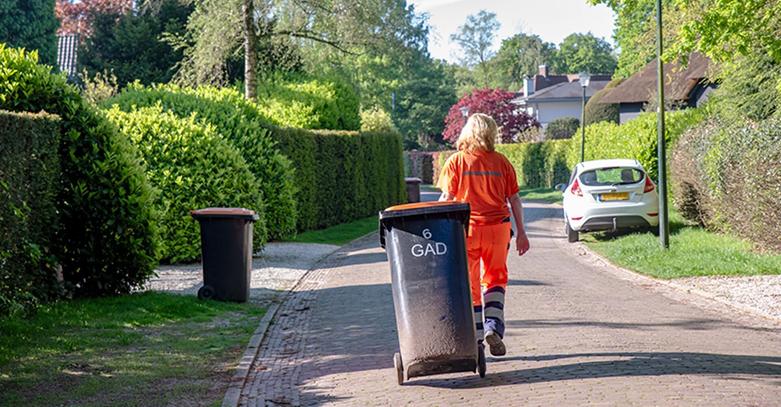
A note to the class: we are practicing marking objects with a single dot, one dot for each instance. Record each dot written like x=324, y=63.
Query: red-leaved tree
x=495, y=103
x=76, y=18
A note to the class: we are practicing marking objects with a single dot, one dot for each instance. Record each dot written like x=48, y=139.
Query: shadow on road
x=696, y=324
x=620, y=364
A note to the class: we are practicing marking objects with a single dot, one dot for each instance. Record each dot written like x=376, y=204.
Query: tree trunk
x=250, y=49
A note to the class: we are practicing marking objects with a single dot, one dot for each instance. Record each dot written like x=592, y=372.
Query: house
x=684, y=86
x=550, y=97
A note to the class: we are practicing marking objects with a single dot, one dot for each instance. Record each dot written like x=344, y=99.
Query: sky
x=552, y=20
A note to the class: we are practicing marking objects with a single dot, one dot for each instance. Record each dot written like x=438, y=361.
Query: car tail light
x=575, y=190
x=649, y=185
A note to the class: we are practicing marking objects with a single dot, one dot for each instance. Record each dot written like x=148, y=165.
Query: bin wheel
x=399, y=368
x=206, y=293
x=481, y=360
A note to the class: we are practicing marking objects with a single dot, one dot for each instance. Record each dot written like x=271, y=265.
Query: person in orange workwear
x=484, y=178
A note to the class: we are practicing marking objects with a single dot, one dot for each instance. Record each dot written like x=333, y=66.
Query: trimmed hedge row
x=245, y=127
x=314, y=191
x=343, y=175
x=302, y=101
x=192, y=167
x=727, y=176
x=106, y=240
x=29, y=181
x=538, y=165
x=635, y=139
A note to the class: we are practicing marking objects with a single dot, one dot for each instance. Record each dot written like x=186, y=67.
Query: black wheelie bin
x=426, y=246
x=226, y=248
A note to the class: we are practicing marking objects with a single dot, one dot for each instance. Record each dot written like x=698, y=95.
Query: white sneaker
x=495, y=343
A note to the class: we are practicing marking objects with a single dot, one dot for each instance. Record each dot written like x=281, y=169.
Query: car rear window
x=611, y=176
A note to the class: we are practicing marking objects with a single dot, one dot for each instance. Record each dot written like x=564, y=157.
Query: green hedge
x=538, y=165
x=343, y=175
x=727, y=176
x=106, y=241
x=635, y=139
x=29, y=181
x=240, y=122
x=192, y=167
x=303, y=101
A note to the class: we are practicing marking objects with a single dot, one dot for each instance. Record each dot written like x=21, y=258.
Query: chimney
x=528, y=86
x=544, y=70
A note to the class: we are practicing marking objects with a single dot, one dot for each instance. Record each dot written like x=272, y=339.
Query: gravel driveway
x=274, y=271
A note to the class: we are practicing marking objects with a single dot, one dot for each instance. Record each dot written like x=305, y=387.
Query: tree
x=519, y=56
x=131, y=45
x=30, y=24
x=476, y=37
x=77, y=18
x=218, y=30
x=423, y=103
x=495, y=103
x=635, y=31
x=596, y=111
x=584, y=52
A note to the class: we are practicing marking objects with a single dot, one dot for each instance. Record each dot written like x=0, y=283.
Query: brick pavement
x=577, y=335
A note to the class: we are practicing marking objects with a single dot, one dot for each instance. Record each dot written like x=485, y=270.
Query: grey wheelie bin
x=426, y=246
x=226, y=248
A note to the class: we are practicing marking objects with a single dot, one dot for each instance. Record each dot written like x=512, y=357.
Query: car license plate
x=615, y=196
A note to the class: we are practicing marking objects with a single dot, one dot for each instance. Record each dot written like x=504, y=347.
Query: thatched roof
x=678, y=85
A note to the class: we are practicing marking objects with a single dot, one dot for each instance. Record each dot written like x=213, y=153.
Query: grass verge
x=142, y=349
x=339, y=234
x=693, y=252
x=548, y=195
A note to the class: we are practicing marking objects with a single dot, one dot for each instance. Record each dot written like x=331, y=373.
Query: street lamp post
x=664, y=232
x=584, y=79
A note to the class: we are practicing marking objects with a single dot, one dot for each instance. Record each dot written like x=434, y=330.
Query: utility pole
x=664, y=226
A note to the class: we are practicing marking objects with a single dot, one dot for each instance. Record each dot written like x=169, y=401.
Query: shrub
x=240, y=122
x=343, y=175
x=192, y=167
x=728, y=177
x=106, y=239
x=635, y=139
x=376, y=119
x=310, y=103
x=538, y=165
x=29, y=181
x=562, y=128
x=596, y=111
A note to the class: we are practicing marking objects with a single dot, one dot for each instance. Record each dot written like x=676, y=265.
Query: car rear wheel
x=572, y=235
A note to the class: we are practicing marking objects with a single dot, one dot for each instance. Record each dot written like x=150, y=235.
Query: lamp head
x=464, y=111
x=584, y=79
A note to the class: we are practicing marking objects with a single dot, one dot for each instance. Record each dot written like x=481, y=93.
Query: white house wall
x=548, y=112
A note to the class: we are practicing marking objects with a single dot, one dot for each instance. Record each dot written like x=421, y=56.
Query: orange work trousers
x=487, y=248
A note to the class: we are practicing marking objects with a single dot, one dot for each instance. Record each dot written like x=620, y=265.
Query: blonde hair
x=479, y=133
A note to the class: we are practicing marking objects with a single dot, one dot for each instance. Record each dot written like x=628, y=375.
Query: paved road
x=577, y=335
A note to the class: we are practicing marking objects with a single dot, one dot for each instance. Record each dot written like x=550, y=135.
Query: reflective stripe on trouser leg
x=493, y=307
x=478, y=310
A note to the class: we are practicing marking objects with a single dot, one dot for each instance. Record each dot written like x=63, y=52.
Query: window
x=611, y=176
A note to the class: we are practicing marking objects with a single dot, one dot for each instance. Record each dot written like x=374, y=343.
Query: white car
x=609, y=195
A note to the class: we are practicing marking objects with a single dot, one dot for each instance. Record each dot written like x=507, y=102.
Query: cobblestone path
x=578, y=334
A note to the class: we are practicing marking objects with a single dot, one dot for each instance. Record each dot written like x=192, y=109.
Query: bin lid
x=413, y=180
x=232, y=213
x=424, y=208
